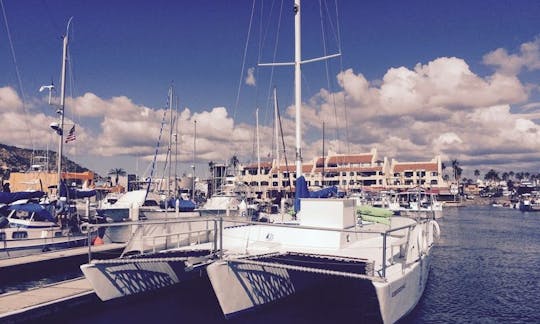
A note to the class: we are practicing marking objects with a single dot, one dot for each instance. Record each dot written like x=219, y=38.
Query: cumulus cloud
x=250, y=77
x=412, y=113
x=511, y=64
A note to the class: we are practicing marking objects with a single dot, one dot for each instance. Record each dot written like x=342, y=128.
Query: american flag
x=71, y=135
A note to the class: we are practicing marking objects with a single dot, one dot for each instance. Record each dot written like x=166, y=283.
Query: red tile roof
x=292, y=168
x=415, y=166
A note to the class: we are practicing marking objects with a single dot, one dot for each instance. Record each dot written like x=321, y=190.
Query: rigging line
x=284, y=149
x=23, y=97
x=345, y=106
x=155, y=154
x=274, y=55
x=328, y=75
x=243, y=61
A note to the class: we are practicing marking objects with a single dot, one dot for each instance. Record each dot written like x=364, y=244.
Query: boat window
x=150, y=203
x=57, y=234
x=19, y=235
x=2, y=236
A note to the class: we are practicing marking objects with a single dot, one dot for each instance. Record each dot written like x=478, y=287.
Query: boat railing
x=212, y=233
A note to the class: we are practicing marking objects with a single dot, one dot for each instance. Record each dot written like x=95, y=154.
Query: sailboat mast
x=276, y=134
x=62, y=106
x=298, y=85
x=169, y=149
x=258, y=144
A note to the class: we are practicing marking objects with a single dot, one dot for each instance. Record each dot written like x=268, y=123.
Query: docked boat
x=252, y=264
x=416, y=202
x=31, y=228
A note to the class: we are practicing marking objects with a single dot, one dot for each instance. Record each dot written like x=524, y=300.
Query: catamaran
x=252, y=264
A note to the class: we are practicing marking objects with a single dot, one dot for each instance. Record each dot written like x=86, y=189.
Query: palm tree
x=491, y=175
x=457, y=170
x=476, y=173
x=117, y=172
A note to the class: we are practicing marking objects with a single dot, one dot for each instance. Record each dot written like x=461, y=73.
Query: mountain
x=16, y=159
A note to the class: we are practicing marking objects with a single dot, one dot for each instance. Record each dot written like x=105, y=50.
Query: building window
x=409, y=174
x=434, y=174
x=274, y=184
x=433, y=182
x=343, y=182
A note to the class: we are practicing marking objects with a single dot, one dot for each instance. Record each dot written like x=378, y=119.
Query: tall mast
x=298, y=85
x=298, y=80
x=176, y=152
x=194, y=152
x=62, y=106
x=258, y=144
x=276, y=134
x=169, y=149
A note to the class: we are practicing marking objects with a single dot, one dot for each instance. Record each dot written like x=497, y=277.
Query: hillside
x=15, y=159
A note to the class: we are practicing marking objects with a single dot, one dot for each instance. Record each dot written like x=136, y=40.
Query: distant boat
x=416, y=202
x=31, y=228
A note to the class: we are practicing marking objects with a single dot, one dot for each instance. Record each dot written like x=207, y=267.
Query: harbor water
x=485, y=269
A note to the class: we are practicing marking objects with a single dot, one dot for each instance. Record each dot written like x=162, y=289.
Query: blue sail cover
x=9, y=197
x=42, y=214
x=185, y=205
x=302, y=191
x=324, y=193
x=73, y=193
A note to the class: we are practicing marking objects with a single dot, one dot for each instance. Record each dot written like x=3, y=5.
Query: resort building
x=349, y=172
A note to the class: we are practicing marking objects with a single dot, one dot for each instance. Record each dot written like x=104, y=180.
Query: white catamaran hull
x=118, y=278
x=243, y=287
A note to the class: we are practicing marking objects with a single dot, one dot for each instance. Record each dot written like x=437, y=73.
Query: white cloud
x=511, y=64
x=9, y=99
x=438, y=107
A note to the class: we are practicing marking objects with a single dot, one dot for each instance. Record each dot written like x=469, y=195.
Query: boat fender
x=436, y=229
x=420, y=240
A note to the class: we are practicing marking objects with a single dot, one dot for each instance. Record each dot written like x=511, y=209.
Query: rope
x=327, y=70
x=155, y=154
x=308, y=269
x=23, y=97
x=243, y=61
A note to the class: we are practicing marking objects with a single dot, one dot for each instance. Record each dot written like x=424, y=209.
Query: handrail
x=218, y=228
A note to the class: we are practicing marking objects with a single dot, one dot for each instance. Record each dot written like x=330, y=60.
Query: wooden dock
x=35, y=303
x=20, y=306
x=59, y=254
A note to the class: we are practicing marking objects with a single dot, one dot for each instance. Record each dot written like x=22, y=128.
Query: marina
x=280, y=199
x=474, y=276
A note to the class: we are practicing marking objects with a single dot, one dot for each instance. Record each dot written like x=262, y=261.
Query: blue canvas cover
x=42, y=214
x=301, y=192
x=72, y=193
x=9, y=197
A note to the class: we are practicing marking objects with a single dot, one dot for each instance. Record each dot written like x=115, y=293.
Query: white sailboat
x=262, y=264
x=253, y=264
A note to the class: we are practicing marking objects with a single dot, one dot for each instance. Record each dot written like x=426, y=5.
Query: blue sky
x=134, y=49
